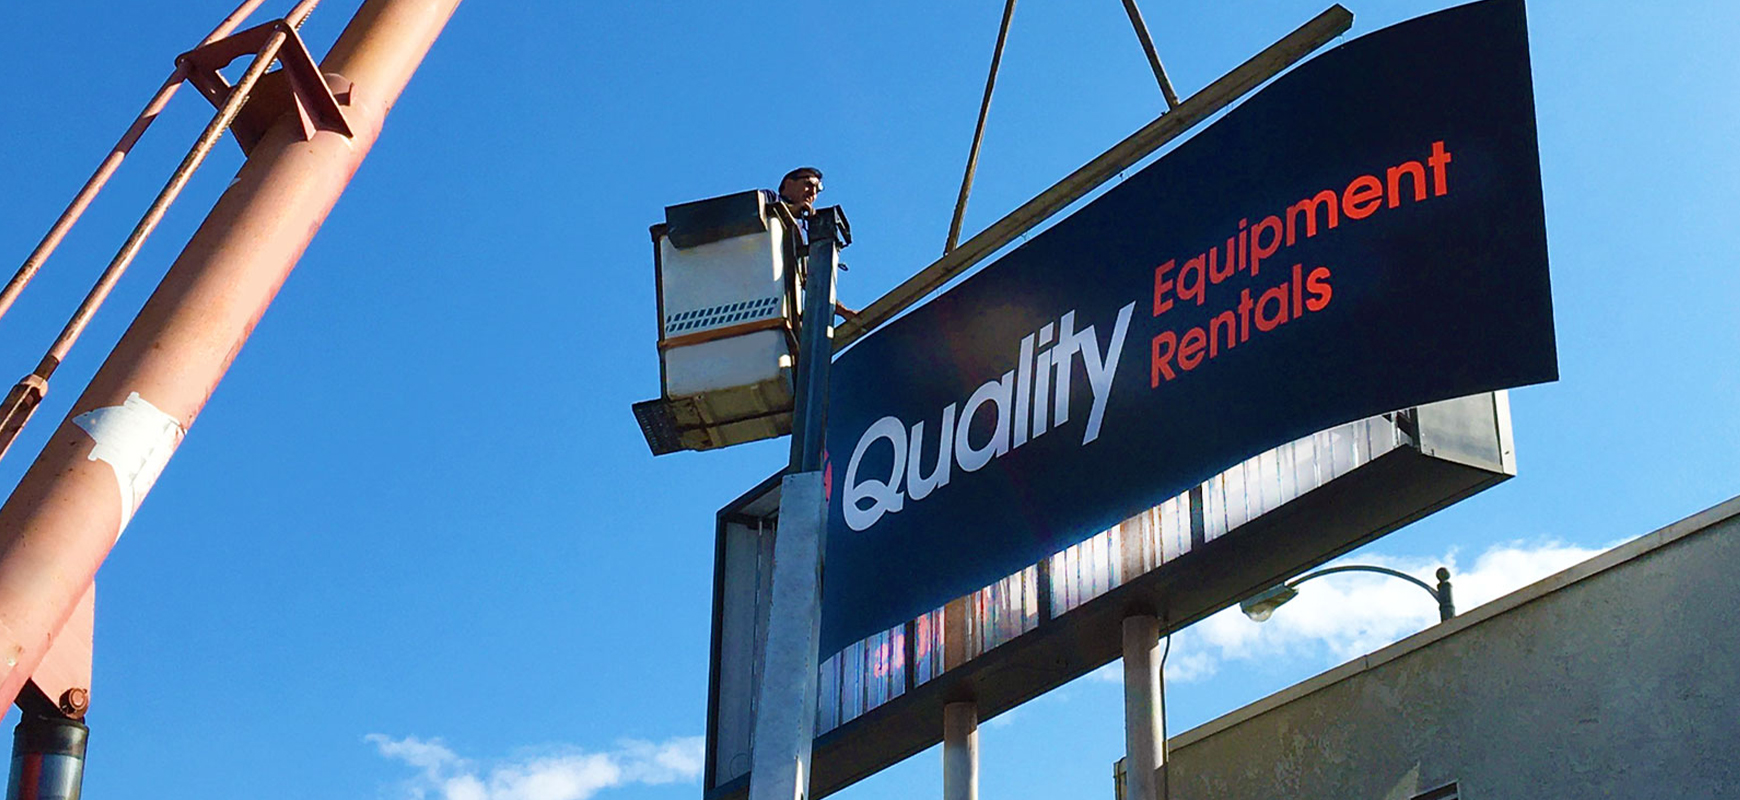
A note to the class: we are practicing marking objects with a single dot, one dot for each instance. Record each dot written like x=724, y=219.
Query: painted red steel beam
x=61, y=683
x=71, y=506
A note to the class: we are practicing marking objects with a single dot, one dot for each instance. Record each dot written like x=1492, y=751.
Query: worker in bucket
x=798, y=191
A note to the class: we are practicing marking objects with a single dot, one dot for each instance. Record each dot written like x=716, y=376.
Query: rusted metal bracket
x=299, y=84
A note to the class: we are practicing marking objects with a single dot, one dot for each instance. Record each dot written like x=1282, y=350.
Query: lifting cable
x=979, y=130
x=1153, y=56
x=1142, y=36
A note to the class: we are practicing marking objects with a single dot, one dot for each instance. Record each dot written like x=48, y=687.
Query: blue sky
x=415, y=543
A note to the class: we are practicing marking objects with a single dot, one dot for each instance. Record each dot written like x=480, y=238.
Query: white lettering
x=1035, y=396
x=916, y=484
x=1063, y=360
x=1023, y=392
x=1100, y=373
x=1042, y=383
x=885, y=497
x=995, y=393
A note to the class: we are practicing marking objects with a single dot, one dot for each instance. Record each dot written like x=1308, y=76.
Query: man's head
x=800, y=187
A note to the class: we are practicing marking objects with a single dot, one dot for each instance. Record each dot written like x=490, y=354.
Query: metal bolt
x=74, y=701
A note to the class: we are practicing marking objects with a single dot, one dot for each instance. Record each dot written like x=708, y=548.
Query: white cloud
x=1343, y=616
x=561, y=774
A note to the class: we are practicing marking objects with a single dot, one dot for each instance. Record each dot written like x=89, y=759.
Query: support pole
x=785, y=711
x=48, y=758
x=829, y=234
x=1144, y=710
x=73, y=503
x=961, y=751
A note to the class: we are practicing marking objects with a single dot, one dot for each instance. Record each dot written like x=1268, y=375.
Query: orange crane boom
x=77, y=497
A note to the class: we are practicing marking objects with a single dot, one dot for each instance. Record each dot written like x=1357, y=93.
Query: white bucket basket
x=728, y=301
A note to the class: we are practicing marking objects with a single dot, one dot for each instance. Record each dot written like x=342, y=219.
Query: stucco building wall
x=1619, y=677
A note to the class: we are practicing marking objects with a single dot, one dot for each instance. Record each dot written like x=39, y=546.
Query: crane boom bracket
x=299, y=84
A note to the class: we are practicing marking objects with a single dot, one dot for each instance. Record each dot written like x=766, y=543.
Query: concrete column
x=1144, y=710
x=961, y=751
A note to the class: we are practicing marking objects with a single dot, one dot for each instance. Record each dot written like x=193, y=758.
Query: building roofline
x=1607, y=560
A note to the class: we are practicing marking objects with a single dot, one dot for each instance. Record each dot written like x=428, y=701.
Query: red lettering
x=1298, y=288
x=1318, y=284
x=1161, y=287
x=1190, y=351
x=1197, y=288
x=1265, y=322
x=1162, y=362
x=1244, y=243
x=1363, y=196
x=1215, y=273
x=1439, y=158
x=1272, y=224
x=1244, y=315
x=1231, y=324
x=1308, y=209
x=1413, y=170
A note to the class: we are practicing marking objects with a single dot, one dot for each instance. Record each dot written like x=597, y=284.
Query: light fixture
x=1259, y=608
x=1262, y=604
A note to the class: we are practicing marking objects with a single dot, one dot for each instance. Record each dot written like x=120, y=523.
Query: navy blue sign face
x=1366, y=234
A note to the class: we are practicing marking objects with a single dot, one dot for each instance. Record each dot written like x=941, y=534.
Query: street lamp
x=1264, y=603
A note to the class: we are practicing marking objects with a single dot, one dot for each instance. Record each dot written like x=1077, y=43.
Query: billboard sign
x=1365, y=234
x=1252, y=525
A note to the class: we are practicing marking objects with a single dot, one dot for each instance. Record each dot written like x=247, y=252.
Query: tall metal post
x=961, y=751
x=1144, y=710
x=785, y=711
x=48, y=758
x=72, y=504
x=829, y=234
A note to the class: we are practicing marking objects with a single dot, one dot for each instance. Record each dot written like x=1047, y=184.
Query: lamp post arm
x=1363, y=568
x=1441, y=594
